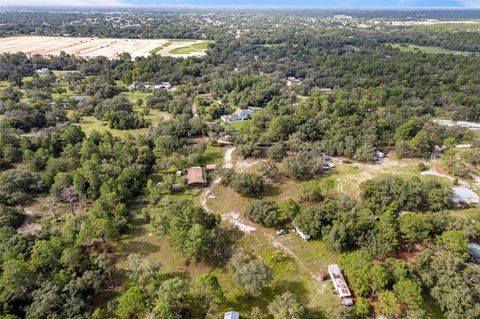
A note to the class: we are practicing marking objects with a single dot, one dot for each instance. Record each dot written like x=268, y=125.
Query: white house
x=41, y=71
x=163, y=85
x=240, y=114
x=231, y=315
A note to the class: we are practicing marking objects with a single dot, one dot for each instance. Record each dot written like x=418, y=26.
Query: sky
x=319, y=3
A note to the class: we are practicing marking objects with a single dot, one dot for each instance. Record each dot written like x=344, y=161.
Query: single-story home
x=79, y=98
x=41, y=71
x=464, y=195
x=240, y=114
x=295, y=79
x=163, y=85
x=196, y=177
x=231, y=315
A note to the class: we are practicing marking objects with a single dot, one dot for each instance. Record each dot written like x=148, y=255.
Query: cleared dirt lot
x=92, y=47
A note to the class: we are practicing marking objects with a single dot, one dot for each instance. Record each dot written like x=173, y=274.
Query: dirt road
x=245, y=225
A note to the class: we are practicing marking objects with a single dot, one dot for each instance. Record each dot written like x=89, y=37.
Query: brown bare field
x=92, y=47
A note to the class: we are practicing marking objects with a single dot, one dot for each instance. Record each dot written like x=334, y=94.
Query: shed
x=196, y=177
x=231, y=315
x=210, y=167
x=464, y=195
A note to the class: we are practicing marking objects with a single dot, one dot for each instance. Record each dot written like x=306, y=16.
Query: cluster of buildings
x=240, y=114
x=162, y=85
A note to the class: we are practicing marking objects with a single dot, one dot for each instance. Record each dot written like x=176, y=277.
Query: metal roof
x=474, y=250
x=464, y=194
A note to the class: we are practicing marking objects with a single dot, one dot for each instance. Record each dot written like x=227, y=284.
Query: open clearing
x=426, y=49
x=108, y=47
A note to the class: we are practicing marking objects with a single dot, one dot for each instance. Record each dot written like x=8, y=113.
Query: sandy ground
x=91, y=47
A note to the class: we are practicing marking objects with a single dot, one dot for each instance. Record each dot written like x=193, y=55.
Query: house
x=79, y=98
x=196, y=177
x=231, y=315
x=295, y=80
x=41, y=71
x=178, y=173
x=325, y=90
x=210, y=167
x=302, y=234
x=464, y=195
x=240, y=114
x=340, y=285
x=163, y=85
x=474, y=251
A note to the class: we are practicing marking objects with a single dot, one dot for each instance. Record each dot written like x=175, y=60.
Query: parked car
x=282, y=232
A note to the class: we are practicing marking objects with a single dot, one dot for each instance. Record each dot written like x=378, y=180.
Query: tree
x=454, y=242
x=198, y=243
x=287, y=210
x=277, y=151
x=209, y=294
x=362, y=308
x=365, y=153
x=170, y=299
x=132, y=303
x=286, y=306
x=16, y=281
x=141, y=270
x=252, y=276
x=247, y=184
x=364, y=276
x=414, y=228
x=269, y=170
x=388, y=304
x=263, y=212
x=410, y=296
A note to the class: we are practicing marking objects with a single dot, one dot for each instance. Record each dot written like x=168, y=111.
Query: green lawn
x=90, y=124
x=240, y=125
x=4, y=84
x=425, y=49
x=195, y=47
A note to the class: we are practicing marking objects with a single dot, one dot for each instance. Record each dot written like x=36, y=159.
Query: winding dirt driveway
x=246, y=225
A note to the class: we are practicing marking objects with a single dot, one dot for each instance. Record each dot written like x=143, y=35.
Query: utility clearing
x=88, y=47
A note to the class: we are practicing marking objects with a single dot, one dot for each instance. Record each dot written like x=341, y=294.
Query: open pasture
x=92, y=46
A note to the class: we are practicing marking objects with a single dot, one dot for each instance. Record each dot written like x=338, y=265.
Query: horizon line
x=131, y=5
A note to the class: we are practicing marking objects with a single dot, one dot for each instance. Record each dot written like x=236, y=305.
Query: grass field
x=426, y=49
x=240, y=125
x=90, y=123
x=193, y=48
